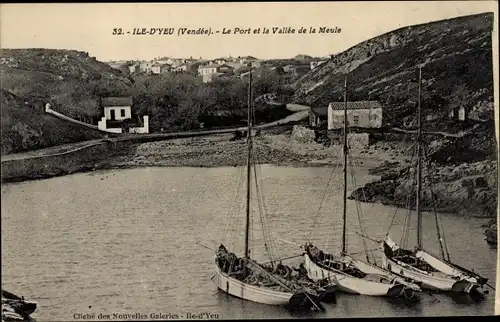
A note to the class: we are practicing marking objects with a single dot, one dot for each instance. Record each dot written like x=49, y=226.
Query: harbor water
x=127, y=242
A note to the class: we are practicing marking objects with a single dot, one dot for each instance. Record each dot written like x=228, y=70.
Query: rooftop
x=359, y=105
x=210, y=66
x=116, y=101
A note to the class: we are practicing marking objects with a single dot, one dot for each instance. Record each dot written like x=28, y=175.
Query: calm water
x=125, y=241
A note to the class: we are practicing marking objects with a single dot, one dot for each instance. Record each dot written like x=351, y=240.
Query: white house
x=135, y=68
x=159, y=68
x=206, y=72
x=118, y=117
x=146, y=66
x=207, y=69
x=367, y=114
x=156, y=69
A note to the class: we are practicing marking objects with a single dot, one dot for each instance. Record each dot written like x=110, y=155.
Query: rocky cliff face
x=457, y=59
x=469, y=189
x=457, y=72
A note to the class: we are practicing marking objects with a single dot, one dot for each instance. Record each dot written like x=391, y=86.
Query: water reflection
x=469, y=299
x=137, y=230
x=236, y=308
x=411, y=307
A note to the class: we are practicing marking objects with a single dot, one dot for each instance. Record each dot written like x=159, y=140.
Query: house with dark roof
x=118, y=116
x=364, y=114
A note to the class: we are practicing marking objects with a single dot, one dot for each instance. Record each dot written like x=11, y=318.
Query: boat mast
x=249, y=156
x=419, y=165
x=344, y=219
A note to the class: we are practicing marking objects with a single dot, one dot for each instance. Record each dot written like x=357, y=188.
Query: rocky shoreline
x=469, y=189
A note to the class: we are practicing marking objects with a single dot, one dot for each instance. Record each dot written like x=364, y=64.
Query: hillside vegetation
x=73, y=82
x=25, y=128
x=68, y=79
x=457, y=58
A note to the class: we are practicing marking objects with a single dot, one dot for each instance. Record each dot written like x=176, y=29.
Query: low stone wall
x=82, y=159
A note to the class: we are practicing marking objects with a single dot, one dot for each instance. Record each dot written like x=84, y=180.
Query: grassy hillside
x=69, y=80
x=458, y=70
x=25, y=128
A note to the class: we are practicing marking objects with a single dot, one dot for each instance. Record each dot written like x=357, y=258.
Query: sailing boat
x=15, y=308
x=247, y=279
x=348, y=273
x=433, y=272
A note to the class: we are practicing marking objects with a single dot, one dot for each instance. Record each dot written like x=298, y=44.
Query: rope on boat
x=438, y=219
x=370, y=250
x=412, y=294
x=290, y=242
x=334, y=171
x=360, y=216
x=270, y=244
x=368, y=237
x=207, y=247
x=281, y=259
x=407, y=201
x=233, y=207
x=490, y=286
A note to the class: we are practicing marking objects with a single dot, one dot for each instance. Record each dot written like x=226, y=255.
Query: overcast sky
x=88, y=27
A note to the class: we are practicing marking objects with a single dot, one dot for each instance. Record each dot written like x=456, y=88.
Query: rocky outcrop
x=302, y=134
x=491, y=234
x=469, y=189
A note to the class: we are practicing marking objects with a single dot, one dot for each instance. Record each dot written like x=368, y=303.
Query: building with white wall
x=367, y=114
x=118, y=117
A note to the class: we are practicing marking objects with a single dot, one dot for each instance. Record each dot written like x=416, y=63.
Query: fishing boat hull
x=350, y=284
x=253, y=293
x=25, y=307
x=410, y=288
x=16, y=304
x=446, y=278
x=430, y=281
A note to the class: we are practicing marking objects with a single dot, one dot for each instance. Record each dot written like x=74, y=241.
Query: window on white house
x=122, y=112
x=355, y=119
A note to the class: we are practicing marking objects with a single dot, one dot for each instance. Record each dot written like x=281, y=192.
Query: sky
x=89, y=27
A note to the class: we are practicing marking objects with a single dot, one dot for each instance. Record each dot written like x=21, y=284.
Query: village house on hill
x=160, y=68
x=211, y=71
x=134, y=68
x=118, y=116
x=363, y=114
